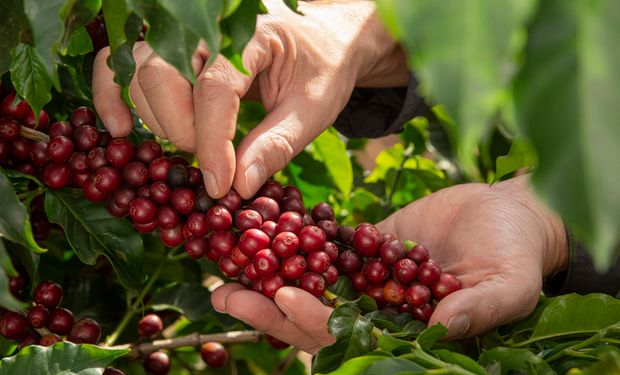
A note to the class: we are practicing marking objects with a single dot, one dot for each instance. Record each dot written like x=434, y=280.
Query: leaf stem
x=406, y=155
x=333, y=299
x=134, y=307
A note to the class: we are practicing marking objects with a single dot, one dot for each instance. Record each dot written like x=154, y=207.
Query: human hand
x=303, y=69
x=499, y=241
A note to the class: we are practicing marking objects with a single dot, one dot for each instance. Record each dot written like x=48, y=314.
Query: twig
x=34, y=135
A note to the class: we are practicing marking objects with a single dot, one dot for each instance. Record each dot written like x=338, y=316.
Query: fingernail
x=210, y=183
x=254, y=177
x=216, y=309
x=282, y=306
x=458, y=325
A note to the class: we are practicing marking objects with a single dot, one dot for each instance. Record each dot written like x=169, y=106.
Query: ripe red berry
x=285, y=244
x=119, y=152
x=266, y=262
x=418, y=254
x=96, y=158
x=9, y=129
x=41, y=125
x=167, y=217
x=107, y=179
x=91, y=192
x=446, y=284
x=275, y=343
x=13, y=325
x=60, y=128
x=349, y=262
x=391, y=252
x=197, y=224
x=182, y=200
x=292, y=192
x=329, y=227
x=318, y=261
x=148, y=151
x=60, y=321
x=83, y=116
x=146, y=227
x=49, y=339
x=112, y=371
x=345, y=234
x=271, y=189
x=330, y=275
x=150, y=325
x=376, y=292
x=160, y=192
x=312, y=283
x=376, y=271
x=253, y=240
x=267, y=208
x=37, y=316
x=214, y=354
x=14, y=108
x=223, y=242
x=290, y=221
x=405, y=271
x=20, y=150
x=293, y=267
x=123, y=196
x=394, y=293
x=202, y=202
x=292, y=204
x=228, y=267
x=116, y=210
x=17, y=283
x=142, y=210
x=157, y=363
x=85, y=331
x=196, y=247
x=322, y=211
x=248, y=219
x=250, y=272
x=60, y=149
x=48, y=293
x=429, y=272
x=311, y=238
x=78, y=163
x=232, y=200
x=359, y=282
x=271, y=284
x=418, y=295
x=194, y=177
x=269, y=227
x=30, y=338
x=367, y=241
x=172, y=237
x=158, y=168
x=177, y=176
x=422, y=313
x=86, y=137
x=332, y=250
x=136, y=174
x=238, y=257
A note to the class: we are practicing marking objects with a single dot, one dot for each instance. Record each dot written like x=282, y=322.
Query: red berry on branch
x=48, y=293
x=37, y=316
x=85, y=331
x=13, y=325
x=150, y=325
x=446, y=284
x=60, y=321
x=157, y=363
x=214, y=354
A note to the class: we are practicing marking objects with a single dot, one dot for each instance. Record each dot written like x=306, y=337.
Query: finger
x=219, y=295
x=216, y=104
x=269, y=147
x=473, y=311
x=262, y=313
x=307, y=313
x=169, y=97
x=114, y=114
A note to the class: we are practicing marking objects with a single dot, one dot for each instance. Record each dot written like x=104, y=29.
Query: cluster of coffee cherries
x=46, y=323
x=158, y=362
x=264, y=243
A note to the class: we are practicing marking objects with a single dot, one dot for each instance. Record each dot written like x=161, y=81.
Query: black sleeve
x=372, y=112
x=581, y=276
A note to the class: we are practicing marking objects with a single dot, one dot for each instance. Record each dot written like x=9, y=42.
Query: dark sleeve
x=581, y=277
x=372, y=112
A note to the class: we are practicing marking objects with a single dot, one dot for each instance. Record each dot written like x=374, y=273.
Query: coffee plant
x=110, y=247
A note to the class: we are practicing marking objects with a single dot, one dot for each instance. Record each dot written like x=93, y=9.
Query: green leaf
x=80, y=43
x=343, y=288
x=191, y=300
x=14, y=25
x=608, y=363
x=573, y=314
x=388, y=159
x=240, y=27
x=521, y=155
x=61, y=358
x=465, y=54
x=427, y=338
x=459, y=359
x=352, y=332
x=228, y=7
x=567, y=97
x=7, y=300
x=76, y=14
x=329, y=148
x=170, y=39
x=14, y=220
x=93, y=232
x=46, y=24
x=363, y=206
x=392, y=366
x=305, y=171
x=122, y=28
x=29, y=77
x=356, y=365
x=201, y=17
x=512, y=361
x=415, y=132
x=393, y=323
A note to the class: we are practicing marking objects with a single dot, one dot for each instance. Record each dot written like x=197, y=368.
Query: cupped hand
x=303, y=68
x=499, y=241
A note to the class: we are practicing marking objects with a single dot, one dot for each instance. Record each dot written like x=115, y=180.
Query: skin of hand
x=499, y=241
x=303, y=69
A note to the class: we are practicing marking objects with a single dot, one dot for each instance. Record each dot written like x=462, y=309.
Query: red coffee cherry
x=60, y=321
x=214, y=354
x=422, y=313
x=167, y=217
x=142, y=210
x=429, y=272
x=49, y=339
x=119, y=152
x=172, y=237
x=219, y=218
x=150, y=325
x=275, y=343
x=267, y=208
x=85, y=331
x=148, y=151
x=418, y=295
x=285, y=244
x=359, y=282
x=96, y=158
x=13, y=325
x=391, y=252
x=330, y=275
x=446, y=284
x=418, y=254
x=107, y=179
x=60, y=128
x=311, y=238
x=37, y=316
x=322, y=211
x=177, y=176
x=271, y=189
x=375, y=271
x=86, y=137
x=223, y=242
x=228, y=267
x=405, y=271
x=248, y=219
x=48, y=293
x=318, y=261
x=266, y=262
x=271, y=284
x=394, y=293
x=136, y=174
x=294, y=267
x=197, y=224
x=253, y=240
x=313, y=283
x=157, y=363
x=83, y=116
x=30, y=338
x=158, y=168
x=232, y=201
x=60, y=149
x=91, y=192
x=196, y=247
x=330, y=228
x=239, y=258
x=290, y=221
x=367, y=240
x=349, y=262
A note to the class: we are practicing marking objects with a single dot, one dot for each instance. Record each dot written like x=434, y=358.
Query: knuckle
x=150, y=73
x=280, y=143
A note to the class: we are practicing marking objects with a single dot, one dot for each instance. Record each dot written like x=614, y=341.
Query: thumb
x=476, y=310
